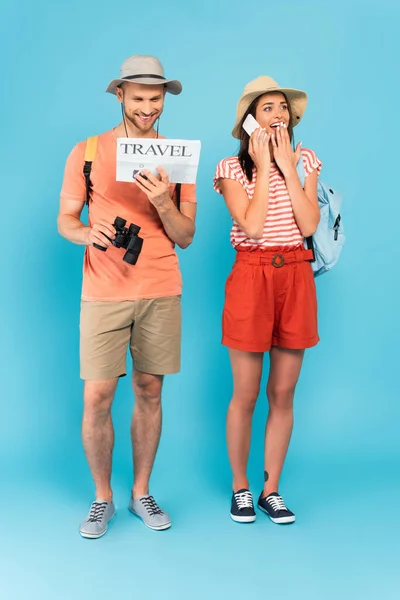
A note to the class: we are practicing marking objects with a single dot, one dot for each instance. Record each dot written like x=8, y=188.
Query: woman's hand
x=284, y=156
x=259, y=149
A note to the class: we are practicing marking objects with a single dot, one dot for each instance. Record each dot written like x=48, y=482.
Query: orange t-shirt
x=105, y=275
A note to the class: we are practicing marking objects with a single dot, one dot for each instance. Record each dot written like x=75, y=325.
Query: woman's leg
x=284, y=373
x=247, y=371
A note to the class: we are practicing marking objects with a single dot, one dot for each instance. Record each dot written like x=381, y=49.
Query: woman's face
x=272, y=110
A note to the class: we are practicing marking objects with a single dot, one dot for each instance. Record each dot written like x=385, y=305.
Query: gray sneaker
x=96, y=523
x=151, y=514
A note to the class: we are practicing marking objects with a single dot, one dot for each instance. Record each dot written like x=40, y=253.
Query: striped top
x=280, y=227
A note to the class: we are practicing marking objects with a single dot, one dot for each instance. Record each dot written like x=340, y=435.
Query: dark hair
x=245, y=160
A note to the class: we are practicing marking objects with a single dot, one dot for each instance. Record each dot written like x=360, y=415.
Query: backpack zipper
x=336, y=228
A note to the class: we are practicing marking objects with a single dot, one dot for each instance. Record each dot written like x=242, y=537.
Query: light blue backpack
x=327, y=242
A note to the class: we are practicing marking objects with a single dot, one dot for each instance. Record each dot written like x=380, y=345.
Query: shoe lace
x=277, y=503
x=97, y=511
x=151, y=506
x=244, y=500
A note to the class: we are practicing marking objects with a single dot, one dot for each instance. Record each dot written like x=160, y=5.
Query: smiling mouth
x=145, y=119
x=275, y=125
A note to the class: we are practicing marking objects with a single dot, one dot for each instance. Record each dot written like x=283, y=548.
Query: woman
x=270, y=303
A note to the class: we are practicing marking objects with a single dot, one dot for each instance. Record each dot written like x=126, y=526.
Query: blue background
x=342, y=475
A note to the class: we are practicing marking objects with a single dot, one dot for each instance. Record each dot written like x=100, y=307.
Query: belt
x=276, y=259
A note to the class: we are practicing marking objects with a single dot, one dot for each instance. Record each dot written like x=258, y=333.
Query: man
x=123, y=304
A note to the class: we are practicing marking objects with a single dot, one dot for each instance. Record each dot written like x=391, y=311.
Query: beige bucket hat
x=146, y=70
x=262, y=85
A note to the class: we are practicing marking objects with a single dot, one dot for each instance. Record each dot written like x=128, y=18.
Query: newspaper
x=179, y=158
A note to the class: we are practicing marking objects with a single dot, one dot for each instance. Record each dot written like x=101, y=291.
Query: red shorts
x=270, y=300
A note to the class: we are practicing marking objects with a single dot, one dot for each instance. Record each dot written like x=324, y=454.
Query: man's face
x=143, y=104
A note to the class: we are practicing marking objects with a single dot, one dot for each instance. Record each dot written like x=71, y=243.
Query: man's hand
x=157, y=189
x=178, y=226
x=101, y=233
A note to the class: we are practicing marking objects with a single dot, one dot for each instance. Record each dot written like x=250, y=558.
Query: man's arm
x=178, y=225
x=71, y=227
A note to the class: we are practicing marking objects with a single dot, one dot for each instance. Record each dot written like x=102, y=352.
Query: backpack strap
x=302, y=176
x=178, y=195
x=90, y=153
x=310, y=246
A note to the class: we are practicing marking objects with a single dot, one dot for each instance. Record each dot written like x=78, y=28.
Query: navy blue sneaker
x=242, y=509
x=274, y=506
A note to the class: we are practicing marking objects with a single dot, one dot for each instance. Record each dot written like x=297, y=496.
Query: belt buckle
x=278, y=260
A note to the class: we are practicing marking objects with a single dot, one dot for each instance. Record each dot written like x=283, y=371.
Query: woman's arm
x=304, y=202
x=251, y=214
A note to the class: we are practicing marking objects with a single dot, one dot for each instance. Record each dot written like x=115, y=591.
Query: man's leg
x=145, y=428
x=146, y=431
x=98, y=441
x=105, y=334
x=155, y=347
x=98, y=433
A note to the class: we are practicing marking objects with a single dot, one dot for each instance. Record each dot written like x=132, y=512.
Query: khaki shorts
x=152, y=328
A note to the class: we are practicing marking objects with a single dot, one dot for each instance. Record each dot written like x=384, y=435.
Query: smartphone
x=250, y=124
x=140, y=173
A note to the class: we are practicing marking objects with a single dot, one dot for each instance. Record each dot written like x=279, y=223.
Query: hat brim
x=296, y=98
x=173, y=86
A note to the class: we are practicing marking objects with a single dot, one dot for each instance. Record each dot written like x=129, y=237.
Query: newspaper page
x=179, y=158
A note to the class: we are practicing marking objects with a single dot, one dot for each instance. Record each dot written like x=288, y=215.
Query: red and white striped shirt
x=280, y=227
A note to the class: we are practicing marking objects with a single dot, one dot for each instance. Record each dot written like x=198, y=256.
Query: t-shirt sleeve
x=74, y=184
x=311, y=162
x=188, y=193
x=225, y=170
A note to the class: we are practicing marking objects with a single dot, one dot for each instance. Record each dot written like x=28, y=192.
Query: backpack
x=327, y=242
x=90, y=153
